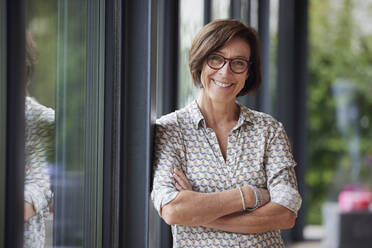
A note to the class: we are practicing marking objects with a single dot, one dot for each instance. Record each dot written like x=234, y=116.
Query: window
x=64, y=122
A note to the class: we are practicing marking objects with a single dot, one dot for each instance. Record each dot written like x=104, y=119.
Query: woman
x=224, y=174
x=39, y=147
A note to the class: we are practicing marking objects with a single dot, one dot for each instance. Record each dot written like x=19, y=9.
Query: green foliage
x=340, y=55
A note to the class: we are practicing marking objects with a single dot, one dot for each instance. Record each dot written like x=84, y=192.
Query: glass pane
x=64, y=123
x=2, y=116
x=220, y=9
x=68, y=174
x=339, y=107
x=190, y=23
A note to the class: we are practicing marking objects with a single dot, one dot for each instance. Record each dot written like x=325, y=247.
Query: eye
x=216, y=58
x=239, y=63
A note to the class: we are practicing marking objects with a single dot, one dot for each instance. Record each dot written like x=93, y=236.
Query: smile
x=224, y=85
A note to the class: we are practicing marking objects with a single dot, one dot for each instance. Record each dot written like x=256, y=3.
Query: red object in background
x=354, y=198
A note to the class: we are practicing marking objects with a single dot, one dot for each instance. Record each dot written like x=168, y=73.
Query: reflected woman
x=39, y=147
x=224, y=174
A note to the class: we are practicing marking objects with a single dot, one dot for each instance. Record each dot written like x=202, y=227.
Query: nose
x=226, y=68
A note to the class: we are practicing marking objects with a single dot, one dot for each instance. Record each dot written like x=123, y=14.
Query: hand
x=28, y=211
x=265, y=195
x=182, y=183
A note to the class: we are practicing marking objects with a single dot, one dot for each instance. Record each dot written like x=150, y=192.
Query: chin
x=223, y=99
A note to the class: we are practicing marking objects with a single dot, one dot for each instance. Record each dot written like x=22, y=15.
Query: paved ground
x=314, y=235
x=308, y=244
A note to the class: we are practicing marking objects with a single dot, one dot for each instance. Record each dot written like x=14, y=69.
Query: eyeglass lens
x=236, y=65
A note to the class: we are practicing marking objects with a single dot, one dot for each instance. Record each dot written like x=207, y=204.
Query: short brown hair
x=215, y=35
x=31, y=57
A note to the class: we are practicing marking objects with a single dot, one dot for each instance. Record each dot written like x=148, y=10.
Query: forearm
x=267, y=218
x=194, y=208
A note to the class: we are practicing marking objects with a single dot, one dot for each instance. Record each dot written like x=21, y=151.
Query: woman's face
x=223, y=85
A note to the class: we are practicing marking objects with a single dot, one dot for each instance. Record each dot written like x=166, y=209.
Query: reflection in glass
x=68, y=175
x=39, y=156
x=190, y=23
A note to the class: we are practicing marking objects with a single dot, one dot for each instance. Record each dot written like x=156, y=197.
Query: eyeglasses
x=237, y=65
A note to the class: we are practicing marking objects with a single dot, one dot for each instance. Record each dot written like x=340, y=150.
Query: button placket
x=237, y=149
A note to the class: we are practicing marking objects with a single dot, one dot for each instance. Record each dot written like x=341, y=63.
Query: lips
x=223, y=85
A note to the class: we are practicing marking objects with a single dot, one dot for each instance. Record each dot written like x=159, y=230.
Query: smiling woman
x=224, y=174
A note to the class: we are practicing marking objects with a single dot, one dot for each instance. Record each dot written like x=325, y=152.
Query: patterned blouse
x=258, y=153
x=39, y=145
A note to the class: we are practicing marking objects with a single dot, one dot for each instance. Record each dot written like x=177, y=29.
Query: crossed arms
x=223, y=210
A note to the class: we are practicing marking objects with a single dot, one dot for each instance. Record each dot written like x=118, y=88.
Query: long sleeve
x=40, y=132
x=281, y=177
x=165, y=158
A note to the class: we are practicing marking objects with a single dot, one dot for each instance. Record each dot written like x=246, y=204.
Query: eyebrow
x=235, y=57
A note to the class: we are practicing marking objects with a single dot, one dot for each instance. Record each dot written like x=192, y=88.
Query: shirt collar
x=246, y=115
x=196, y=115
x=198, y=118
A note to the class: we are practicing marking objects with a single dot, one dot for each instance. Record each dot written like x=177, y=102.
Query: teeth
x=222, y=84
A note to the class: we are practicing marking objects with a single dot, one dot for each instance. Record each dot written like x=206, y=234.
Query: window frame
x=3, y=100
x=138, y=114
x=15, y=100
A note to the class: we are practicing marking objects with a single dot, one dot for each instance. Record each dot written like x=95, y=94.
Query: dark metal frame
x=112, y=132
x=235, y=9
x=3, y=100
x=15, y=63
x=170, y=56
x=291, y=89
x=168, y=83
x=263, y=95
x=138, y=115
x=207, y=11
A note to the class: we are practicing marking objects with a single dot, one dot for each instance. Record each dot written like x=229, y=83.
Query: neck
x=216, y=113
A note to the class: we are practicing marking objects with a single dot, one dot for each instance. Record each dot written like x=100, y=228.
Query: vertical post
x=138, y=115
x=245, y=11
x=291, y=93
x=112, y=137
x=170, y=56
x=235, y=9
x=15, y=118
x=168, y=47
x=3, y=100
x=263, y=98
x=207, y=11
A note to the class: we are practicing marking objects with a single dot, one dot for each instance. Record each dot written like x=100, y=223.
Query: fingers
x=179, y=187
x=182, y=183
x=265, y=195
